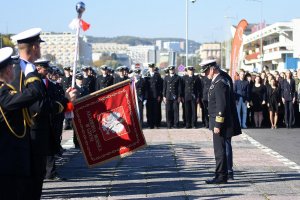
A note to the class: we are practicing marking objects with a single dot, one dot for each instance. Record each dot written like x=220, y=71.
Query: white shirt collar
x=27, y=67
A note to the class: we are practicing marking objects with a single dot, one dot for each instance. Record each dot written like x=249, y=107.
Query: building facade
x=276, y=46
x=60, y=47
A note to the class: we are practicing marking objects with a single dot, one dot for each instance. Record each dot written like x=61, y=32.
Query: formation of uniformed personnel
x=41, y=110
x=223, y=119
x=191, y=88
x=88, y=80
x=171, y=94
x=105, y=79
x=15, y=155
x=154, y=96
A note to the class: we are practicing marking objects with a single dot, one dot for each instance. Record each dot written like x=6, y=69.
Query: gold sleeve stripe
x=31, y=80
x=61, y=107
x=220, y=119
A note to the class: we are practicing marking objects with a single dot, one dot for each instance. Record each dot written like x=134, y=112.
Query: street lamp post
x=187, y=30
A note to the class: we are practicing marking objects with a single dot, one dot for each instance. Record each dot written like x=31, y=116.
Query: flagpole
x=80, y=8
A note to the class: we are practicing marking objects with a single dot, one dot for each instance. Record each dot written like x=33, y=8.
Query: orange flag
x=84, y=25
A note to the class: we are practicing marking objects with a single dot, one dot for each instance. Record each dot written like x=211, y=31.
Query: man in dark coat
x=205, y=83
x=288, y=93
x=66, y=83
x=154, y=81
x=121, y=76
x=15, y=155
x=39, y=113
x=171, y=94
x=104, y=80
x=88, y=80
x=191, y=88
x=223, y=119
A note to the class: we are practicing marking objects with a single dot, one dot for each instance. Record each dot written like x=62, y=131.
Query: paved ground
x=174, y=166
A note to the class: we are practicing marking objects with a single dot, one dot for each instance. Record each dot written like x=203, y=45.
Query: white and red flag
x=106, y=124
x=75, y=23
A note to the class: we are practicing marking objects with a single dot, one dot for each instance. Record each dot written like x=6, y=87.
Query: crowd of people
x=268, y=99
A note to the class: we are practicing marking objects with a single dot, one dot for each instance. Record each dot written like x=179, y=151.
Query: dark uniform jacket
x=141, y=89
x=15, y=152
x=89, y=82
x=288, y=90
x=205, y=83
x=81, y=91
x=119, y=79
x=66, y=82
x=222, y=107
x=191, y=87
x=172, y=87
x=103, y=82
x=155, y=86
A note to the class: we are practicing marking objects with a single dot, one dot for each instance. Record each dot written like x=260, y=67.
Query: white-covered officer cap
x=5, y=56
x=28, y=36
x=206, y=64
x=42, y=62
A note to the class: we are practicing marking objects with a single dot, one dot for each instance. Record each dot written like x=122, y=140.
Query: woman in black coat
x=273, y=102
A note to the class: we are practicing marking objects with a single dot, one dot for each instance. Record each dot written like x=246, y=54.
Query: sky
x=209, y=20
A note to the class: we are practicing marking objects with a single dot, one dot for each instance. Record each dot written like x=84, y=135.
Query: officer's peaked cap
x=28, y=36
x=207, y=64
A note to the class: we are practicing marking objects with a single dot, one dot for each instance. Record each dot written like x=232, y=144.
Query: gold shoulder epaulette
x=31, y=80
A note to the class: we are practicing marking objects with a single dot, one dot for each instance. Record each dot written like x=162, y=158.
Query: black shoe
x=215, y=181
x=230, y=176
x=175, y=126
x=55, y=178
x=188, y=127
x=156, y=127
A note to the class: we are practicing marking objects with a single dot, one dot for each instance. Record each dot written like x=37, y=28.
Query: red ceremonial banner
x=106, y=124
x=236, y=46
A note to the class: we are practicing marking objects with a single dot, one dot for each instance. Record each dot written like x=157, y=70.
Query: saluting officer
x=15, y=157
x=171, y=94
x=191, y=87
x=154, y=81
x=88, y=80
x=223, y=119
x=29, y=50
x=104, y=80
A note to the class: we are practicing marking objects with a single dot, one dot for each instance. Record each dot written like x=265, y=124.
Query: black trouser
x=172, y=109
x=50, y=167
x=183, y=114
x=140, y=107
x=229, y=155
x=205, y=119
x=289, y=113
x=15, y=188
x=38, y=175
x=220, y=156
x=152, y=108
x=190, y=112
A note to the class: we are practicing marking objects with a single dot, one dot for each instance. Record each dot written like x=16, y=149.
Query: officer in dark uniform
x=154, y=94
x=82, y=91
x=66, y=83
x=223, y=119
x=141, y=92
x=121, y=76
x=171, y=94
x=88, y=80
x=161, y=100
x=205, y=84
x=15, y=157
x=41, y=111
x=104, y=80
x=191, y=87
